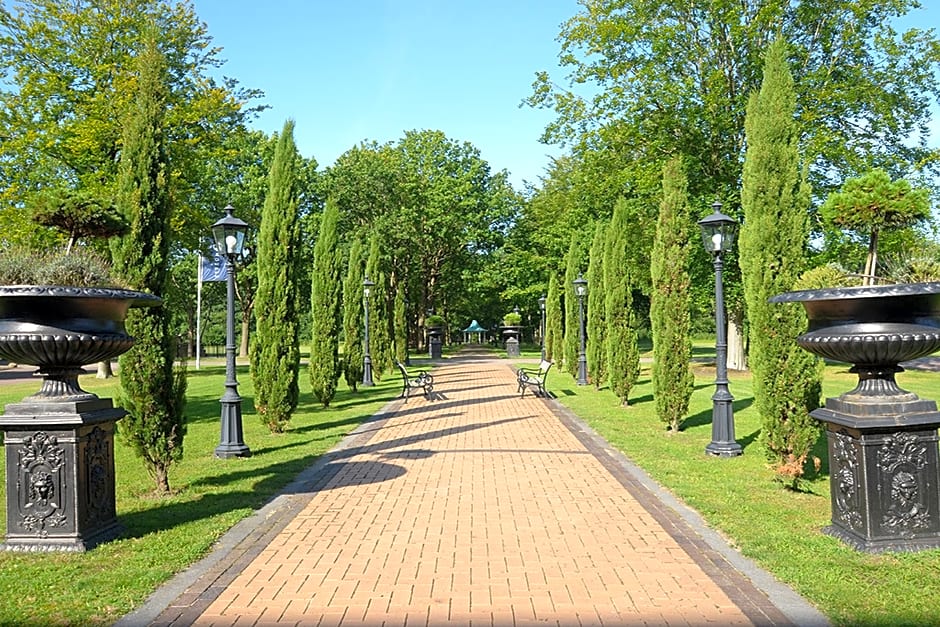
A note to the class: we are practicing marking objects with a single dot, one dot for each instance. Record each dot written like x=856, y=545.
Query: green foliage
x=672, y=77
x=70, y=78
x=623, y=355
x=434, y=320
x=554, y=334
x=353, y=335
x=325, y=308
x=77, y=215
x=873, y=203
x=572, y=344
x=512, y=319
x=275, y=351
x=153, y=394
x=824, y=276
x=380, y=319
x=596, y=352
x=670, y=301
x=400, y=326
x=775, y=198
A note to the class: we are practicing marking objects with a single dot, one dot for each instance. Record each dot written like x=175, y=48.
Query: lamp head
x=229, y=234
x=718, y=230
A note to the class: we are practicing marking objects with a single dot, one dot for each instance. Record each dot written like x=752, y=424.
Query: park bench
x=422, y=379
x=533, y=378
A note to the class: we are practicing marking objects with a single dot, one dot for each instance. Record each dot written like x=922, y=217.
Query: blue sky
x=354, y=70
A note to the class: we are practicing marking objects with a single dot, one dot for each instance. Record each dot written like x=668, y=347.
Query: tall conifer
x=572, y=344
x=325, y=308
x=554, y=331
x=623, y=355
x=596, y=310
x=152, y=391
x=353, y=331
x=776, y=199
x=380, y=319
x=275, y=350
x=670, y=300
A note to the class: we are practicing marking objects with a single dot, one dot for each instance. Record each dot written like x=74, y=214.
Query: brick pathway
x=476, y=508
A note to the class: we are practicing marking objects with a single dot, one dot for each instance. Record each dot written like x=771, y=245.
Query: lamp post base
x=231, y=443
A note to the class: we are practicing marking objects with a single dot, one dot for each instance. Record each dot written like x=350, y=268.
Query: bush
x=81, y=268
x=512, y=319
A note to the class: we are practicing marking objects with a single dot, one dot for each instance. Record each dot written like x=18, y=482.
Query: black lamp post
x=718, y=231
x=542, y=325
x=580, y=287
x=229, y=236
x=367, y=358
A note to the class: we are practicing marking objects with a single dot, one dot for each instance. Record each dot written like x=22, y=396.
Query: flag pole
x=198, y=310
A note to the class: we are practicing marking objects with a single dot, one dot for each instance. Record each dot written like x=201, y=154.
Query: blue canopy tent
x=474, y=328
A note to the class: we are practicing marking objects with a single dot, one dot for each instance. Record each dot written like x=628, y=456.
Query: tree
x=153, y=394
x=572, y=344
x=596, y=321
x=673, y=77
x=873, y=203
x=353, y=317
x=380, y=320
x=275, y=351
x=325, y=308
x=67, y=70
x=78, y=215
x=554, y=334
x=400, y=327
x=669, y=304
x=774, y=238
x=623, y=355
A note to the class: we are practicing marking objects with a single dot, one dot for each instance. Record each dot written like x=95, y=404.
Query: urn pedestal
x=59, y=442
x=884, y=474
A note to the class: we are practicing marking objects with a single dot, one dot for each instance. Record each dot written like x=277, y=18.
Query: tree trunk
x=871, y=262
x=737, y=357
x=104, y=370
x=243, y=345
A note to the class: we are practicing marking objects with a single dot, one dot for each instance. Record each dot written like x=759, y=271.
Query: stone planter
x=882, y=440
x=59, y=442
x=512, y=333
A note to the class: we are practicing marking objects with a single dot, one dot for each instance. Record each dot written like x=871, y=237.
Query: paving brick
x=479, y=508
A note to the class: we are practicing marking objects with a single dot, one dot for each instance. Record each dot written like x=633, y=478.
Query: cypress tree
x=152, y=391
x=275, y=350
x=353, y=313
x=670, y=300
x=596, y=310
x=776, y=198
x=572, y=345
x=380, y=320
x=623, y=355
x=554, y=335
x=400, y=325
x=325, y=308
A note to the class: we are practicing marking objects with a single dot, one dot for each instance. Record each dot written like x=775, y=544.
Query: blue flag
x=213, y=268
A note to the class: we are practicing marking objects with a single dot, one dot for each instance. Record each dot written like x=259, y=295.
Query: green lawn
x=777, y=528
